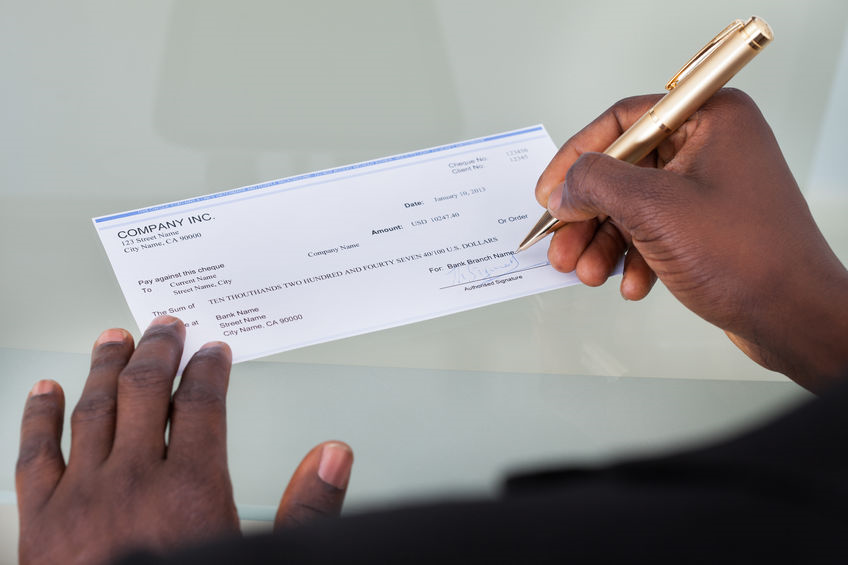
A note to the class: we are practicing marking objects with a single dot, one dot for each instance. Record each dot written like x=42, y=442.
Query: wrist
x=811, y=345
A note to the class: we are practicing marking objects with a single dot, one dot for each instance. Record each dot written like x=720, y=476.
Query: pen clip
x=704, y=53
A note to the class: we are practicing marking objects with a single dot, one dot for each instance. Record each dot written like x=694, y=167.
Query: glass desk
x=110, y=107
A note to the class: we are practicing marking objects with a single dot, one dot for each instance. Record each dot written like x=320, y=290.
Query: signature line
x=496, y=276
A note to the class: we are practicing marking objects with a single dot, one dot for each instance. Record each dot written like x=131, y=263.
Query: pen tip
x=543, y=227
x=529, y=241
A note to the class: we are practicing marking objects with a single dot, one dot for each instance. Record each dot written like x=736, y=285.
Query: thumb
x=600, y=185
x=317, y=487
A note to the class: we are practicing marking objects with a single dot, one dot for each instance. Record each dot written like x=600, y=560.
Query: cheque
x=340, y=252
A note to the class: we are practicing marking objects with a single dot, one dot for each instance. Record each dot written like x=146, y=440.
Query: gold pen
x=700, y=78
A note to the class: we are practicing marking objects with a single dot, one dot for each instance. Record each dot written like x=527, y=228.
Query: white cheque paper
x=340, y=252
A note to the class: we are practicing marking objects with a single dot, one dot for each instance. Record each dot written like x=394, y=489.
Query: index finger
x=595, y=137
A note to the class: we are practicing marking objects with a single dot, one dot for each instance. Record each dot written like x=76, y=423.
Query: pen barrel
x=640, y=139
x=703, y=80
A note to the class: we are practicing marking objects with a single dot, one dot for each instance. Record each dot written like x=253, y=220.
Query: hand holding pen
x=706, y=72
x=716, y=214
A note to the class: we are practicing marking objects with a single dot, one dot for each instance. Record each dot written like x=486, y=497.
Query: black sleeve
x=778, y=493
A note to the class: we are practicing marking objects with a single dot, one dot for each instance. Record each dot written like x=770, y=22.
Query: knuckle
x=210, y=358
x=168, y=333
x=734, y=110
x=34, y=451
x=541, y=193
x=577, y=179
x=150, y=373
x=108, y=361
x=39, y=408
x=311, y=509
x=609, y=236
x=199, y=395
x=629, y=102
x=303, y=512
x=631, y=105
x=737, y=97
x=574, y=176
x=94, y=407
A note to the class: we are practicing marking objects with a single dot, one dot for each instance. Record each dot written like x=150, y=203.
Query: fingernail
x=336, y=461
x=43, y=387
x=163, y=320
x=115, y=335
x=555, y=198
